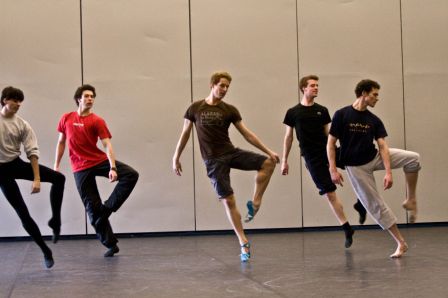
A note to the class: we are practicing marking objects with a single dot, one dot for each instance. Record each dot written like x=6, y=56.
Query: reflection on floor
x=293, y=264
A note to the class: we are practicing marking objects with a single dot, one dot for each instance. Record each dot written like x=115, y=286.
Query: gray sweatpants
x=364, y=185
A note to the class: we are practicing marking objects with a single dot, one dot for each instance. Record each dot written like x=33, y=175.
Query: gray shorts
x=363, y=181
x=218, y=169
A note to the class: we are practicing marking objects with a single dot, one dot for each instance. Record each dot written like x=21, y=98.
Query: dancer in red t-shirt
x=81, y=130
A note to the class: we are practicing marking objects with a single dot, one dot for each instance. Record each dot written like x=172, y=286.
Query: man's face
x=87, y=99
x=371, y=98
x=220, y=89
x=12, y=105
x=312, y=89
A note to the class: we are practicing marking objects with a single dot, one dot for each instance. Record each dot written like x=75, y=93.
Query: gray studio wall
x=150, y=59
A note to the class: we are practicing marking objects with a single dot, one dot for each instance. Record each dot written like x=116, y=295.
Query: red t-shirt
x=82, y=134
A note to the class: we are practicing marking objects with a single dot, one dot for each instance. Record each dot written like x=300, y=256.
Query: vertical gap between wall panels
x=402, y=83
x=82, y=45
x=402, y=74
x=82, y=77
x=191, y=100
x=298, y=91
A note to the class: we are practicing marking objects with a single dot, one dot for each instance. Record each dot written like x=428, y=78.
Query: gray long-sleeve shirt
x=14, y=131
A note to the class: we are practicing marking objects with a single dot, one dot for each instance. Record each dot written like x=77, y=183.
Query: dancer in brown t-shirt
x=212, y=118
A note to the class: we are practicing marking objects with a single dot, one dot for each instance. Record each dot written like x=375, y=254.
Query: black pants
x=88, y=190
x=18, y=169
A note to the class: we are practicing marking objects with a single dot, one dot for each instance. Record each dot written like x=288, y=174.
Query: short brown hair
x=216, y=77
x=304, y=81
x=366, y=86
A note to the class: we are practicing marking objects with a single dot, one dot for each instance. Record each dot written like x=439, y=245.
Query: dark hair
x=80, y=90
x=367, y=86
x=216, y=77
x=12, y=93
x=304, y=81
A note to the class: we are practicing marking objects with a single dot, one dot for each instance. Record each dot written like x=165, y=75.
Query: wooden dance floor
x=286, y=264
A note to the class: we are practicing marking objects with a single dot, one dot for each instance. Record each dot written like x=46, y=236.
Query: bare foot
x=411, y=206
x=401, y=249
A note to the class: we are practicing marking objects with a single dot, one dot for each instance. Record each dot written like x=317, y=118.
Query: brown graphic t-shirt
x=212, y=126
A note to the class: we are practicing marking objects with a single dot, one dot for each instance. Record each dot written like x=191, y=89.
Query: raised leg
x=261, y=183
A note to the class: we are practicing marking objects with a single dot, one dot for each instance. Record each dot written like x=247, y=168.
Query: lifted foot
x=56, y=227
x=251, y=211
x=411, y=206
x=362, y=212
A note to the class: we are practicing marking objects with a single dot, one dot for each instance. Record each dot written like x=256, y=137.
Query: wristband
x=114, y=169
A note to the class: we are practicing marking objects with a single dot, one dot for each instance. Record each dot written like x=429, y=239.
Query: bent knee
x=135, y=175
x=131, y=175
x=268, y=165
x=414, y=165
x=60, y=178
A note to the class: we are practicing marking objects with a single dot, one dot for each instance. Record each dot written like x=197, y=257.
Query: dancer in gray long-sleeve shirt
x=14, y=131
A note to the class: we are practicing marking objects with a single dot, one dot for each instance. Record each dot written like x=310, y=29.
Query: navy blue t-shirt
x=356, y=131
x=309, y=123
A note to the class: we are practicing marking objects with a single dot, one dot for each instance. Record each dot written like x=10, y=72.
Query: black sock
x=348, y=234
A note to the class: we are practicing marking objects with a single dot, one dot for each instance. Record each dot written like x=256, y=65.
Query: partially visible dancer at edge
x=81, y=130
x=357, y=128
x=212, y=118
x=15, y=132
x=311, y=122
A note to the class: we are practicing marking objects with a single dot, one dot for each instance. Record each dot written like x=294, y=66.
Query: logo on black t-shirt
x=209, y=118
x=359, y=127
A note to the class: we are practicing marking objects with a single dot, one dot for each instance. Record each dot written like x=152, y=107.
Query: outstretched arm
x=336, y=177
x=255, y=141
x=60, y=148
x=113, y=175
x=384, y=152
x=184, y=137
x=287, y=143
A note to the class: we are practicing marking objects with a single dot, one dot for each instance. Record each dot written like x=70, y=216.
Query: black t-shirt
x=356, y=131
x=212, y=125
x=309, y=123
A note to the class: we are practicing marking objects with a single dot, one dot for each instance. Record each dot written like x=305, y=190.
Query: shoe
x=111, y=251
x=251, y=211
x=48, y=261
x=56, y=227
x=362, y=212
x=245, y=255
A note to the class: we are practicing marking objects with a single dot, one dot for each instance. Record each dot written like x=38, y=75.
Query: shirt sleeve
x=189, y=114
x=326, y=116
x=335, y=127
x=61, y=124
x=236, y=116
x=380, y=131
x=30, y=141
x=102, y=130
x=287, y=120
